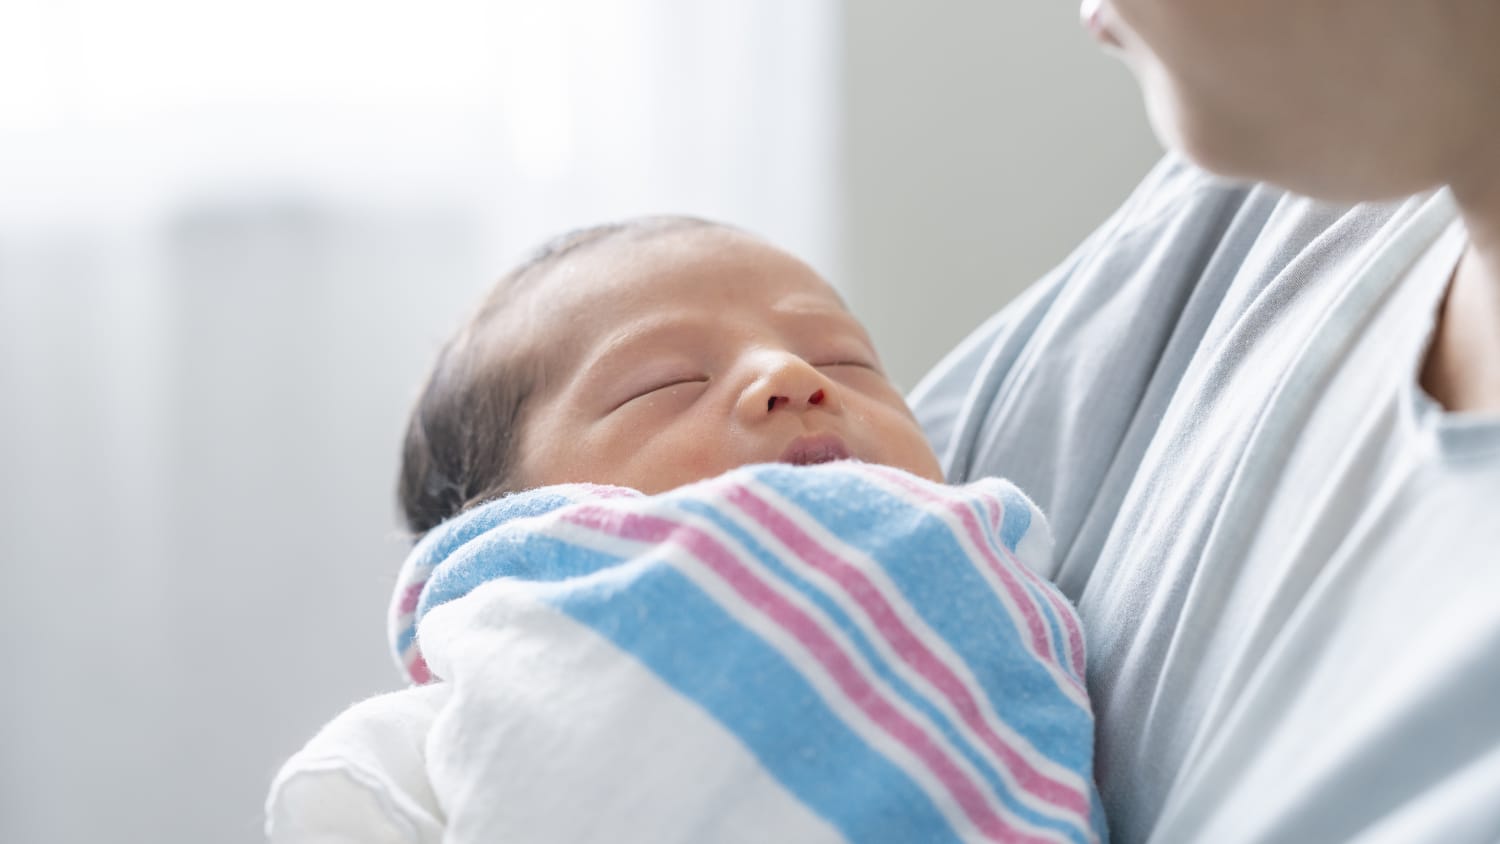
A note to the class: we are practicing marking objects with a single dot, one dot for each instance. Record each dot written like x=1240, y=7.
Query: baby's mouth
x=822, y=448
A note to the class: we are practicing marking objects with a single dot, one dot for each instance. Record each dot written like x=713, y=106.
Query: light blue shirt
x=1286, y=556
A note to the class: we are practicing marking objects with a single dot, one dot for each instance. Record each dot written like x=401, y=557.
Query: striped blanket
x=841, y=652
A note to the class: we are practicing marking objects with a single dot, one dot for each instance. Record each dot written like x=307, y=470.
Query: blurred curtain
x=231, y=238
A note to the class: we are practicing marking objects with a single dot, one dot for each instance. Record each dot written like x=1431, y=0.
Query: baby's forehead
x=678, y=288
x=719, y=266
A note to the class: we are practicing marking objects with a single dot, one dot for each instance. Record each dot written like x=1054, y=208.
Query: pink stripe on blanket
x=910, y=648
x=410, y=597
x=1041, y=641
x=417, y=669
x=817, y=643
x=1060, y=606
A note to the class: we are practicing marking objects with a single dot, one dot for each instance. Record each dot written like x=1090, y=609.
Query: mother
x=1267, y=427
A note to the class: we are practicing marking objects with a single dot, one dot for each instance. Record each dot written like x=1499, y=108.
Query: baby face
x=670, y=357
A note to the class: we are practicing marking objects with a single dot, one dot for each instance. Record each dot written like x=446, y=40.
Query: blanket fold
x=835, y=653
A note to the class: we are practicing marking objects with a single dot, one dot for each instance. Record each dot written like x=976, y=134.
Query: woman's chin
x=1206, y=136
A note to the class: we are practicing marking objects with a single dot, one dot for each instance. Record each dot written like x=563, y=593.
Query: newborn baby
x=645, y=616
x=648, y=355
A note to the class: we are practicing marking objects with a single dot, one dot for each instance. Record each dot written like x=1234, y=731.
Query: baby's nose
x=787, y=383
x=782, y=401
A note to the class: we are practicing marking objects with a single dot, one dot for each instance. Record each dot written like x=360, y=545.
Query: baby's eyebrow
x=819, y=312
x=648, y=336
x=803, y=304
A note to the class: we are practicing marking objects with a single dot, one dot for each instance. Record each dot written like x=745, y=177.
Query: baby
x=651, y=621
x=650, y=354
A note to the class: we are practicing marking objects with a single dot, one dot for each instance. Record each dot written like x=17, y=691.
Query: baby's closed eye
x=654, y=386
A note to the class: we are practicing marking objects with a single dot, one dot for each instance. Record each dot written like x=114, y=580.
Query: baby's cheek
x=903, y=445
x=705, y=459
x=663, y=464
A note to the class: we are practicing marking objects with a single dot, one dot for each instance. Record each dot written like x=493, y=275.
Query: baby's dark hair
x=464, y=431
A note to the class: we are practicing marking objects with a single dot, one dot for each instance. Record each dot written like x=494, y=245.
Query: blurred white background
x=232, y=236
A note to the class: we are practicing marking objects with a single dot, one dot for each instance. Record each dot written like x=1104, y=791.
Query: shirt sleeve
x=363, y=778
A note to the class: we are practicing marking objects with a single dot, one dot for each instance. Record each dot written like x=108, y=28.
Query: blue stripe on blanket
x=882, y=668
x=687, y=639
x=507, y=553
x=448, y=537
x=1016, y=519
x=957, y=606
x=1054, y=629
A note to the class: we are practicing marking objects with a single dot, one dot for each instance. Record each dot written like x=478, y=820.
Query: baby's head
x=650, y=354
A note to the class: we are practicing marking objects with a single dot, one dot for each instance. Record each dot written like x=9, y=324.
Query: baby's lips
x=817, y=448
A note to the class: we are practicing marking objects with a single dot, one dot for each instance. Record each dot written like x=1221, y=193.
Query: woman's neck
x=1463, y=368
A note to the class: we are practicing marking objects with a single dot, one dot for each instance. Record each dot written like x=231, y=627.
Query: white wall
x=231, y=240
x=982, y=140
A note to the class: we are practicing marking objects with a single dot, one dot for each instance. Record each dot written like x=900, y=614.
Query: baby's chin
x=931, y=471
x=923, y=464
x=927, y=469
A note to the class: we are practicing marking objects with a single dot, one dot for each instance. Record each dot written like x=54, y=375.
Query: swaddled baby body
x=631, y=638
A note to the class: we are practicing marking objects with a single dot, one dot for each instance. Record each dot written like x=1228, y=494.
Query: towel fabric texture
x=834, y=653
